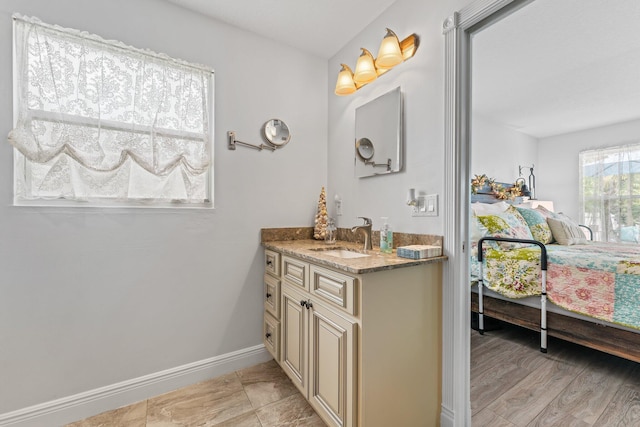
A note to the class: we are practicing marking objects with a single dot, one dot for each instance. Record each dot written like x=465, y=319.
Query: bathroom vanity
x=358, y=334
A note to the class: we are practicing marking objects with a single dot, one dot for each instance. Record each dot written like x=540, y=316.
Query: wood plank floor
x=514, y=384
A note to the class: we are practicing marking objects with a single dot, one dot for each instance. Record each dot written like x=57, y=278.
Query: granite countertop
x=376, y=261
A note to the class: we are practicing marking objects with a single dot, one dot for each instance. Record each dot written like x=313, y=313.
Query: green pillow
x=537, y=224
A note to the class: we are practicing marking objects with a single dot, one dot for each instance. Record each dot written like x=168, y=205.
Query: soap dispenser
x=386, y=236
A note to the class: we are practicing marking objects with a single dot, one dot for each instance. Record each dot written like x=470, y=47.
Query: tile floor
x=259, y=396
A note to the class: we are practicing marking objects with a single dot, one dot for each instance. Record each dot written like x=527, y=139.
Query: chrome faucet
x=367, y=232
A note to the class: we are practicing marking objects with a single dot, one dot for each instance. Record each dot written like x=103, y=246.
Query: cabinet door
x=332, y=379
x=294, y=339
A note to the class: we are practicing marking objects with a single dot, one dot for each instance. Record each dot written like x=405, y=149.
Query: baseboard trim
x=82, y=405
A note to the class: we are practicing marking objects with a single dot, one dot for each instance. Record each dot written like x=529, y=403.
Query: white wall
x=92, y=297
x=421, y=79
x=497, y=151
x=558, y=172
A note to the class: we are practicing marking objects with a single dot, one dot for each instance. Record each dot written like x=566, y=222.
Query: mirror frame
x=282, y=130
x=380, y=121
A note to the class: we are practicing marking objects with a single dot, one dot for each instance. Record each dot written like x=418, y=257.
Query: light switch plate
x=426, y=206
x=338, y=205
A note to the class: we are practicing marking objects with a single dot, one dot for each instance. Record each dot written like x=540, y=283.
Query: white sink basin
x=344, y=253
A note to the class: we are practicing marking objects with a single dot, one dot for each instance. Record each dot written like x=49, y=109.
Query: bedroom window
x=610, y=192
x=101, y=122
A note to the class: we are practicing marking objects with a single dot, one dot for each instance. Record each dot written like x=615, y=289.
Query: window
x=97, y=121
x=610, y=192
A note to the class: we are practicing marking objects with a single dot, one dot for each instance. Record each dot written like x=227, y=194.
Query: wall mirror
x=276, y=132
x=378, y=138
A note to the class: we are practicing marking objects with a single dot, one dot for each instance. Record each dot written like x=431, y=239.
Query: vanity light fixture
x=391, y=53
x=345, y=84
x=365, y=69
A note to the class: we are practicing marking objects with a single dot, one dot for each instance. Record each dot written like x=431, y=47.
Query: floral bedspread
x=600, y=280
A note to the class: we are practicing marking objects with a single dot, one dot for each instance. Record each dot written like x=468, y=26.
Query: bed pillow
x=566, y=232
x=489, y=208
x=476, y=230
x=537, y=223
x=506, y=224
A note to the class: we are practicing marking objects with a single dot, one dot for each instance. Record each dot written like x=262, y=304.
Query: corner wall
x=497, y=151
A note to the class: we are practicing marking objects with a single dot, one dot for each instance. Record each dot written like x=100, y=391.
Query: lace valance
x=90, y=110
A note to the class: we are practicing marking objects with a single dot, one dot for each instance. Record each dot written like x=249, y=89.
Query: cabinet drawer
x=271, y=335
x=272, y=262
x=335, y=288
x=295, y=272
x=272, y=295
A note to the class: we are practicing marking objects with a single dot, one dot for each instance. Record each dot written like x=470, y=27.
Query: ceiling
x=554, y=67
x=549, y=68
x=321, y=27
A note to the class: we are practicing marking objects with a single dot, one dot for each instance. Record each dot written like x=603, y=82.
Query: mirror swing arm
x=232, y=141
x=375, y=165
x=275, y=132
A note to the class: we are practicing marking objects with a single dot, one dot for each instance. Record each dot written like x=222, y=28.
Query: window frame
x=98, y=202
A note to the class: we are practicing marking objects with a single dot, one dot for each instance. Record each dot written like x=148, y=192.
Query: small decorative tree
x=320, y=228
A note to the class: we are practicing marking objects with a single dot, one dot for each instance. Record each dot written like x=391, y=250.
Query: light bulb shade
x=365, y=69
x=389, y=54
x=345, y=84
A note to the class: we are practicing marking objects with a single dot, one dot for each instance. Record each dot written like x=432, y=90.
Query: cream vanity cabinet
x=364, y=349
x=318, y=346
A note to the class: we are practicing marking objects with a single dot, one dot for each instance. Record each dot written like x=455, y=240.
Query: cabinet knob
x=268, y=295
x=269, y=262
x=267, y=335
x=306, y=303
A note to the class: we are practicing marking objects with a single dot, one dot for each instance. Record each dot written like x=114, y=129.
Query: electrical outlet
x=338, y=205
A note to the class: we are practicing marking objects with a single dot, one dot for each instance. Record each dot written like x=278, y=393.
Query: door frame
x=458, y=29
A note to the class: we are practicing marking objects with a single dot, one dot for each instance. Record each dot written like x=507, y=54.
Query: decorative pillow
x=566, y=232
x=537, y=223
x=630, y=234
x=545, y=212
x=506, y=224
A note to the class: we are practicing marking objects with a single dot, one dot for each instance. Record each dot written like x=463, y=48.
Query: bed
x=526, y=272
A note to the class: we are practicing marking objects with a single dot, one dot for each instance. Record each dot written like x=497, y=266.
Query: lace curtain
x=610, y=192
x=97, y=119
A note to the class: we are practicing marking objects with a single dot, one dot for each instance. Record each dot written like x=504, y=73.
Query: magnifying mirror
x=364, y=148
x=276, y=132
